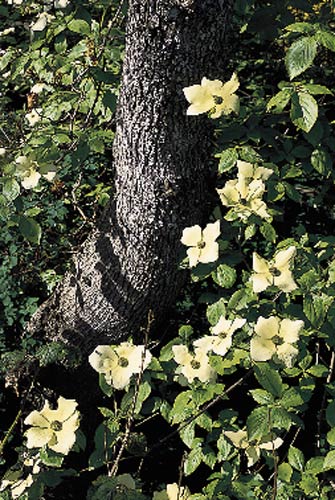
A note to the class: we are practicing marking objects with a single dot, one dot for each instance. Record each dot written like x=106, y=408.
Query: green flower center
x=56, y=425
x=195, y=364
x=274, y=271
x=277, y=340
x=218, y=99
x=123, y=362
x=201, y=244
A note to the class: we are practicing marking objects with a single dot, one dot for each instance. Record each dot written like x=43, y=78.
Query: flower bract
x=53, y=428
x=214, y=96
x=275, y=337
x=119, y=363
x=34, y=116
x=245, y=193
x=203, y=245
x=222, y=336
x=173, y=492
x=193, y=365
x=252, y=450
x=30, y=172
x=275, y=272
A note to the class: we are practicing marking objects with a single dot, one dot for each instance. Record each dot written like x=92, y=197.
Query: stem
x=10, y=431
x=130, y=419
x=202, y=410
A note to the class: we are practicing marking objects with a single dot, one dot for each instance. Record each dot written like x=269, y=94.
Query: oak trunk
x=129, y=264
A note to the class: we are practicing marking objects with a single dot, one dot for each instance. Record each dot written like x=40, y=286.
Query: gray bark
x=129, y=264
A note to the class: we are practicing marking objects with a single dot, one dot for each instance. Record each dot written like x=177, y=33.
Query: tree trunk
x=129, y=264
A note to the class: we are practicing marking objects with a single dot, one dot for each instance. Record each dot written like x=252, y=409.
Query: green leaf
x=317, y=89
x=316, y=307
x=300, y=56
x=241, y=298
x=318, y=371
x=309, y=484
x=187, y=434
x=224, y=276
x=227, y=161
x=291, y=398
x=329, y=462
x=269, y=379
x=296, y=458
x=285, y=472
x=268, y=231
x=106, y=388
x=224, y=447
x=258, y=423
x=166, y=353
x=331, y=437
x=30, y=229
x=281, y=418
x=208, y=456
x=109, y=100
x=51, y=458
x=321, y=161
x=262, y=397
x=327, y=39
x=315, y=465
x=183, y=407
x=330, y=414
x=193, y=460
x=250, y=231
x=280, y=100
x=304, y=111
x=215, y=311
x=103, y=440
x=11, y=189
x=300, y=28
x=79, y=26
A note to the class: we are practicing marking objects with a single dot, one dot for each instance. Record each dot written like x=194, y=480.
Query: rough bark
x=128, y=265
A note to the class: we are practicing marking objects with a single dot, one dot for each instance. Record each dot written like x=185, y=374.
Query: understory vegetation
x=234, y=399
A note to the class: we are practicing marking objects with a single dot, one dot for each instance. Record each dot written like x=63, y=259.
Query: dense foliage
x=239, y=398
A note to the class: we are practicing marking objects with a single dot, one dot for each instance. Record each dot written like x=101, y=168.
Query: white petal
x=283, y=258
x=238, y=438
x=261, y=349
x=191, y=236
x=31, y=180
x=210, y=253
x=193, y=254
x=267, y=328
x=290, y=329
x=285, y=281
x=232, y=85
x=100, y=353
x=286, y=353
x=38, y=437
x=211, y=232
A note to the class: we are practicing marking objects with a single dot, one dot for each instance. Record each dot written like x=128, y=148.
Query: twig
x=10, y=431
x=202, y=410
x=130, y=419
x=323, y=402
x=74, y=198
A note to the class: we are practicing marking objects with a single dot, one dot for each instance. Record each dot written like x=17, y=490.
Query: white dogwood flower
x=222, y=336
x=252, y=450
x=194, y=365
x=275, y=337
x=214, y=96
x=173, y=492
x=53, y=428
x=275, y=272
x=119, y=362
x=203, y=245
